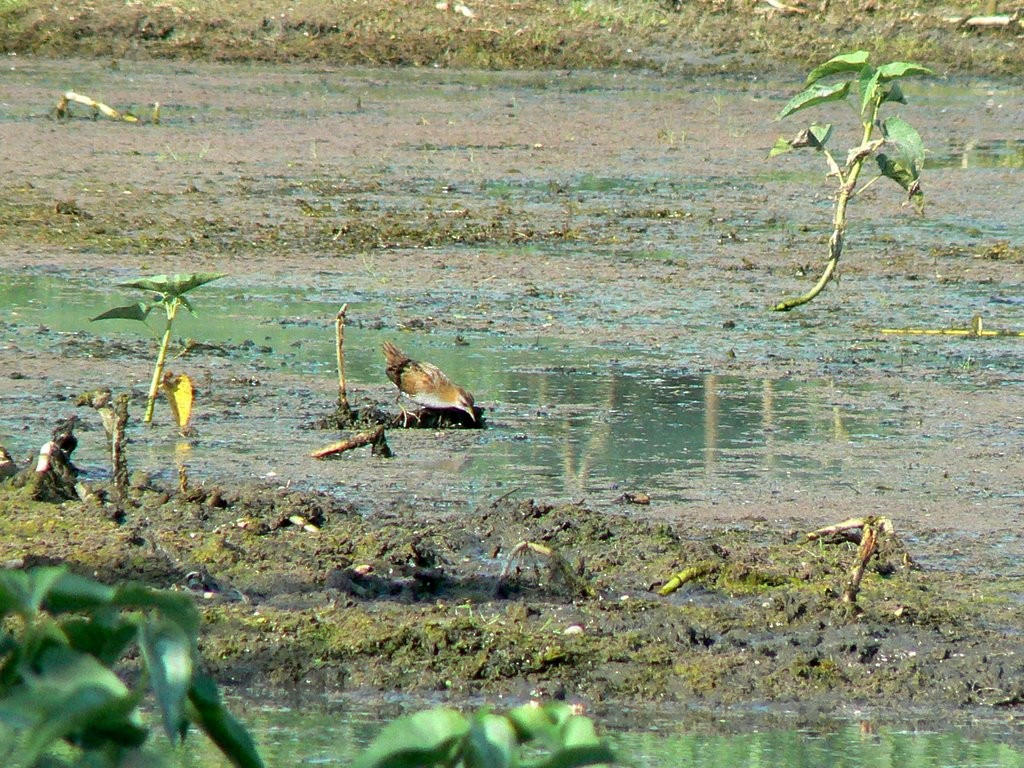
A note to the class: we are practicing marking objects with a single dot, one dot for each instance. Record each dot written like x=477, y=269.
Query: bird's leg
x=405, y=413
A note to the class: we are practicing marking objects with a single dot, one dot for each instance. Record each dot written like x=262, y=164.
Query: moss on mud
x=394, y=603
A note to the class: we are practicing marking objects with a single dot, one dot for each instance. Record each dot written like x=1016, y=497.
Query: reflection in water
x=645, y=430
x=1008, y=153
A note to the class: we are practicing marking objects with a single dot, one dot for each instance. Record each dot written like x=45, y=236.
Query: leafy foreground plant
x=899, y=151
x=445, y=737
x=170, y=295
x=61, y=635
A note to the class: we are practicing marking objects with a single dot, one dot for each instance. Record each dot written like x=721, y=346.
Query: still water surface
x=570, y=421
x=292, y=737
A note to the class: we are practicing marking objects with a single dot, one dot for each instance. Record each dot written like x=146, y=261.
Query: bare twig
x=374, y=437
x=339, y=334
x=868, y=545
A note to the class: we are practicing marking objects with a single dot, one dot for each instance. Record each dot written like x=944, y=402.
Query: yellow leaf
x=180, y=395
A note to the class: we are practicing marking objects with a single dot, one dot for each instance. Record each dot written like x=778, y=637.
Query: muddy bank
x=707, y=36
x=304, y=593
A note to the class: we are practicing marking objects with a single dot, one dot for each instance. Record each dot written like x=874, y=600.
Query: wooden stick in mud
x=115, y=418
x=339, y=334
x=117, y=457
x=70, y=96
x=374, y=437
x=868, y=544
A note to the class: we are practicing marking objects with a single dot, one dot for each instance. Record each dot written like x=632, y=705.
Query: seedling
x=170, y=296
x=895, y=145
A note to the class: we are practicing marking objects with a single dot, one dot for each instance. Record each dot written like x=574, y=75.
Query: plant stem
x=339, y=335
x=835, y=243
x=161, y=358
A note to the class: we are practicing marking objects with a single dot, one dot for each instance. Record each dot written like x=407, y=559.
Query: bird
x=425, y=383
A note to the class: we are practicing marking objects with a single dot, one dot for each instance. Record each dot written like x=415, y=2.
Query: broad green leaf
x=23, y=592
x=902, y=134
x=580, y=745
x=814, y=95
x=903, y=164
x=491, y=743
x=71, y=694
x=167, y=651
x=560, y=712
x=844, y=62
x=138, y=311
x=534, y=722
x=897, y=69
x=230, y=736
x=578, y=731
x=893, y=93
x=868, y=85
x=175, y=606
x=73, y=593
x=582, y=755
x=106, y=638
x=173, y=285
x=425, y=738
x=897, y=169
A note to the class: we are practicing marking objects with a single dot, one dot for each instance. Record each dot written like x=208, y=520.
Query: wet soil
x=600, y=209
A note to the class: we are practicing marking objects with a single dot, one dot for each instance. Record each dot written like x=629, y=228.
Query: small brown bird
x=425, y=384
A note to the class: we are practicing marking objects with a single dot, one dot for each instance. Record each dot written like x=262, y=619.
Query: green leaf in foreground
x=844, y=62
x=138, y=311
x=896, y=69
x=905, y=160
x=23, y=592
x=167, y=651
x=814, y=95
x=220, y=726
x=491, y=742
x=426, y=738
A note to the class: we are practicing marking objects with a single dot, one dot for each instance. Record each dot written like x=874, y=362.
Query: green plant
x=62, y=635
x=445, y=737
x=898, y=151
x=170, y=295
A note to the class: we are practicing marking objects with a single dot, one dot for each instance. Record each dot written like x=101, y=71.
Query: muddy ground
x=366, y=594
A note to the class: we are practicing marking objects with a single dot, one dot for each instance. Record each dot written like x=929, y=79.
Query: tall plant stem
x=339, y=336
x=161, y=358
x=835, y=243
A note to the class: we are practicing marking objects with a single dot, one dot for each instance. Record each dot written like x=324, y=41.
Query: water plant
x=555, y=735
x=63, y=634
x=895, y=145
x=170, y=293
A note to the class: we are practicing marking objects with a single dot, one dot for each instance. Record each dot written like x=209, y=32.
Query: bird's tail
x=394, y=355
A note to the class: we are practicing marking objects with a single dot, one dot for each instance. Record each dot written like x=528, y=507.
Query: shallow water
x=308, y=737
x=563, y=420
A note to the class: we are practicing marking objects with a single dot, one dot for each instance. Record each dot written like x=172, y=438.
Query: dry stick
x=339, y=333
x=117, y=457
x=114, y=417
x=868, y=543
x=369, y=437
